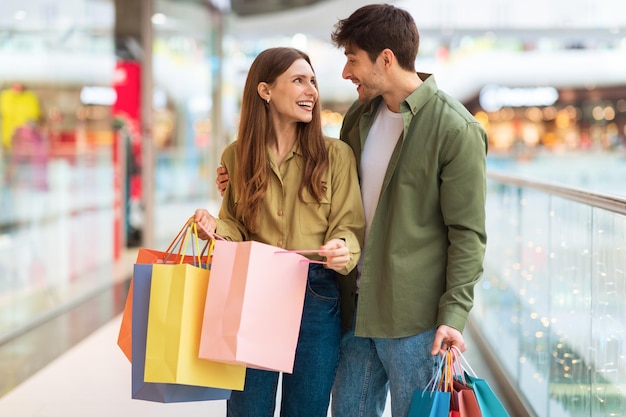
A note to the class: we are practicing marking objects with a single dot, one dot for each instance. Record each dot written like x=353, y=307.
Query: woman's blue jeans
x=305, y=392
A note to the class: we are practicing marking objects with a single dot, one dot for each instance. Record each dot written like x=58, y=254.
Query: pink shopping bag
x=253, y=305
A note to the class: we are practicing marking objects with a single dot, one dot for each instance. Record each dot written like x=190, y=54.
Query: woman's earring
x=268, y=100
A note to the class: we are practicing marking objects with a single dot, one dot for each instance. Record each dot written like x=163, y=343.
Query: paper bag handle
x=183, y=243
x=218, y=237
x=311, y=261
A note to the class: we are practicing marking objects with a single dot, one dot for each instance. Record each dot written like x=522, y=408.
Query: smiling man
x=421, y=158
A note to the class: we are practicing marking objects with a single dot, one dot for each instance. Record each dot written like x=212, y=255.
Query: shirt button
x=280, y=212
x=279, y=243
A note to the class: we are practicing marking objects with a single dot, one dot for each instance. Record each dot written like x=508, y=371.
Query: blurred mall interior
x=114, y=113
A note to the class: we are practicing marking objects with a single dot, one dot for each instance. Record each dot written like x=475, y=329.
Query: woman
x=292, y=188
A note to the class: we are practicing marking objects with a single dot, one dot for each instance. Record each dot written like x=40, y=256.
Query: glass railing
x=552, y=303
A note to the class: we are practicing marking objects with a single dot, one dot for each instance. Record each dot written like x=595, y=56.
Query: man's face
x=364, y=73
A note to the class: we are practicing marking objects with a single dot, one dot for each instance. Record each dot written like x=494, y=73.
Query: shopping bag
x=254, y=305
x=177, y=297
x=430, y=404
x=465, y=401
x=157, y=392
x=490, y=405
x=434, y=400
x=150, y=256
x=488, y=402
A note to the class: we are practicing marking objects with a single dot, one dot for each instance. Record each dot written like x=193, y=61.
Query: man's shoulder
x=357, y=109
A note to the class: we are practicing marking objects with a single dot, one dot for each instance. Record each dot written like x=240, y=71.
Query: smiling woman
x=295, y=189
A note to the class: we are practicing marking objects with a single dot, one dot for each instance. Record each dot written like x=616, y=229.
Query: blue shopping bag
x=435, y=399
x=427, y=403
x=157, y=392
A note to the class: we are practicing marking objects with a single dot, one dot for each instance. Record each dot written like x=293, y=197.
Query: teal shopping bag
x=488, y=402
x=490, y=405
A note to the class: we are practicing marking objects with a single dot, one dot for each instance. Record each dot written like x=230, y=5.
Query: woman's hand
x=337, y=254
x=202, y=217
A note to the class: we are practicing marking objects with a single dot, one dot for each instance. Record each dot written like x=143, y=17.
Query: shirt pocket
x=313, y=215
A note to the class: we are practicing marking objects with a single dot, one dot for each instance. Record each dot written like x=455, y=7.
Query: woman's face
x=294, y=93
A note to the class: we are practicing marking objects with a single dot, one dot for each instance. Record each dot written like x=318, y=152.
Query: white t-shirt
x=379, y=145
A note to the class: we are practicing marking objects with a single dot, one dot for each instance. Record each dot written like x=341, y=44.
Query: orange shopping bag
x=253, y=305
x=151, y=256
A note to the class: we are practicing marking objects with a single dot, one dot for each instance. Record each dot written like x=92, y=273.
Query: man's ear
x=388, y=57
x=264, y=91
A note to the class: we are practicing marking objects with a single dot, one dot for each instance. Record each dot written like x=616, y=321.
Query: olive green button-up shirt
x=424, y=251
x=286, y=221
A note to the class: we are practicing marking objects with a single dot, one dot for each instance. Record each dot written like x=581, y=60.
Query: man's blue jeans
x=369, y=367
x=305, y=392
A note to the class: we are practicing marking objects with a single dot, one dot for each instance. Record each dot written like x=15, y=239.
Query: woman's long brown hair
x=256, y=132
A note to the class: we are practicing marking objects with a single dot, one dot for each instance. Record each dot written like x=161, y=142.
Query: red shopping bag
x=476, y=398
x=253, y=305
x=151, y=256
x=465, y=401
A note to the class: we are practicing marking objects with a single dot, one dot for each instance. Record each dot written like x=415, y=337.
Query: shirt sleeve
x=227, y=224
x=463, y=194
x=346, y=220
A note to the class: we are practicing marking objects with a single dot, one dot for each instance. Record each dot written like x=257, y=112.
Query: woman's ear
x=264, y=91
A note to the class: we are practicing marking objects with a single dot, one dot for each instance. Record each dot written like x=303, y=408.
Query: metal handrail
x=515, y=399
x=611, y=202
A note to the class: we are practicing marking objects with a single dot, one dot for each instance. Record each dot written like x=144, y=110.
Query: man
x=422, y=169
x=421, y=158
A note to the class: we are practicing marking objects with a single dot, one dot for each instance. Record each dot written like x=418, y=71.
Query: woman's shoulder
x=340, y=154
x=229, y=151
x=336, y=145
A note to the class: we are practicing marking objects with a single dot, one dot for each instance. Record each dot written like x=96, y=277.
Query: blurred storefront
x=523, y=121
x=115, y=135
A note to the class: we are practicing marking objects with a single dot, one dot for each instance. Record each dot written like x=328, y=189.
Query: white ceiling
x=447, y=16
x=572, y=21
x=439, y=21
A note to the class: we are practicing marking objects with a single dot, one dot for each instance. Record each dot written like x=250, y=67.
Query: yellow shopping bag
x=177, y=299
x=173, y=254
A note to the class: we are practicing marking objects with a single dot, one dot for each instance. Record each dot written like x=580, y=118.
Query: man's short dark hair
x=376, y=27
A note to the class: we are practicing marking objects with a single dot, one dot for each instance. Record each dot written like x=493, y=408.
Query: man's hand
x=445, y=338
x=222, y=179
x=337, y=254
